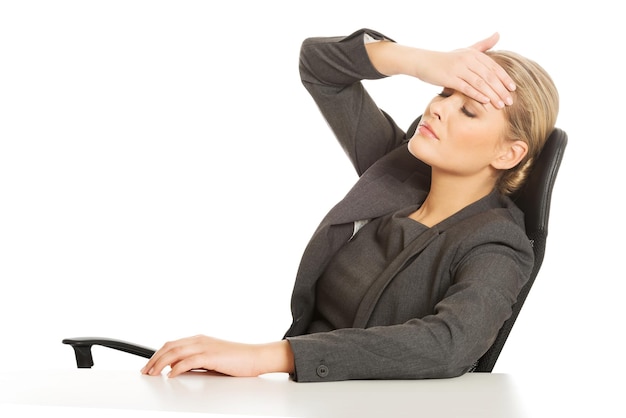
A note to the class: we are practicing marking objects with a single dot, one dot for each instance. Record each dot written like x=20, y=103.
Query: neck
x=448, y=195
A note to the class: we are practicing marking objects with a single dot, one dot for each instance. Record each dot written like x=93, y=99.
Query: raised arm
x=331, y=69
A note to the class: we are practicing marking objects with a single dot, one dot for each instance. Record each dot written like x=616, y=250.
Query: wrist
x=390, y=58
x=276, y=357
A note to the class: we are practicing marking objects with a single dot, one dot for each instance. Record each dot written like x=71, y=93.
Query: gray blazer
x=438, y=306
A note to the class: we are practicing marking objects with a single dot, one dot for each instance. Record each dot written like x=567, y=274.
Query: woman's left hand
x=467, y=70
x=470, y=71
x=226, y=357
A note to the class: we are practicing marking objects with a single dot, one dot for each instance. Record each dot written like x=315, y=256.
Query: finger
x=197, y=361
x=467, y=87
x=495, y=93
x=150, y=364
x=156, y=365
x=487, y=43
x=492, y=67
x=170, y=352
x=496, y=83
x=148, y=368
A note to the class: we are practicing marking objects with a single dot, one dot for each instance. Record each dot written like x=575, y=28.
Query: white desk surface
x=74, y=392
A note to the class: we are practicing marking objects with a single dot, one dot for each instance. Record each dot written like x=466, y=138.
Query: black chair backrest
x=534, y=200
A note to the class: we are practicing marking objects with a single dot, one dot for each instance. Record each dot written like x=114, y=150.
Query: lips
x=427, y=131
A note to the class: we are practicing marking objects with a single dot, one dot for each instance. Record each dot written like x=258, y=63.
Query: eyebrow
x=483, y=105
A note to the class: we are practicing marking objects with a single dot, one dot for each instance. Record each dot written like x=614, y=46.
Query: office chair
x=533, y=199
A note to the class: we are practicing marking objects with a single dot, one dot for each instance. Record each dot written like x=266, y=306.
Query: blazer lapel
x=395, y=181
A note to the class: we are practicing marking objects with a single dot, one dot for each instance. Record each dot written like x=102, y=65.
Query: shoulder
x=493, y=212
x=497, y=229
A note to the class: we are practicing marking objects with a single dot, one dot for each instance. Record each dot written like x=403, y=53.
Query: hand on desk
x=230, y=358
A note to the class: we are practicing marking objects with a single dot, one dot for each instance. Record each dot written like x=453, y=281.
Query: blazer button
x=322, y=370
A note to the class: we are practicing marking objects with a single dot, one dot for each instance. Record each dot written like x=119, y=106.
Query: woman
x=414, y=272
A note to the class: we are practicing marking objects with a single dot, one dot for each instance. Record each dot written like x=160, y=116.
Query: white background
x=162, y=169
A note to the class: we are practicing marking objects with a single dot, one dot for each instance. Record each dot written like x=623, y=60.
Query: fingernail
x=500, y=104
x=509, y=101
x=512, y=86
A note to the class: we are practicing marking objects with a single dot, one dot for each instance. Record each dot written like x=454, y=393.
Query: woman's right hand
x=225, y=357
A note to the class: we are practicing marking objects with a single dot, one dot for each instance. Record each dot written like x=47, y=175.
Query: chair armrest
x=82, y=348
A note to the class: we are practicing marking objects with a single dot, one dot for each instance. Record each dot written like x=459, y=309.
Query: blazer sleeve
x=488, y=273
x=332, y=70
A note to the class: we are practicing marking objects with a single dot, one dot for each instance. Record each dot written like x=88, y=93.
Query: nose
x=440, y=106
x=436, y=107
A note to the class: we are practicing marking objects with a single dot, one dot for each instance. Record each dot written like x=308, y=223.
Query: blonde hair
x=532, y=116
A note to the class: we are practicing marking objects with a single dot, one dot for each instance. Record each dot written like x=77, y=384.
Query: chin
x=415, y=146
x=418, y=148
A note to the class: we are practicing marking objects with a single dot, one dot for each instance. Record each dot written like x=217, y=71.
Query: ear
x=512, y=153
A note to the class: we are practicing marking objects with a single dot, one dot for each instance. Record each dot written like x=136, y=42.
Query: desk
x=472, y=395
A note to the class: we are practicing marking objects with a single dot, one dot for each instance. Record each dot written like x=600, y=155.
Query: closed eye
x=445, y=93
x=467, y=112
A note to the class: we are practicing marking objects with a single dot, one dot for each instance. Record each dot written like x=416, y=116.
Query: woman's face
x=459, y=135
